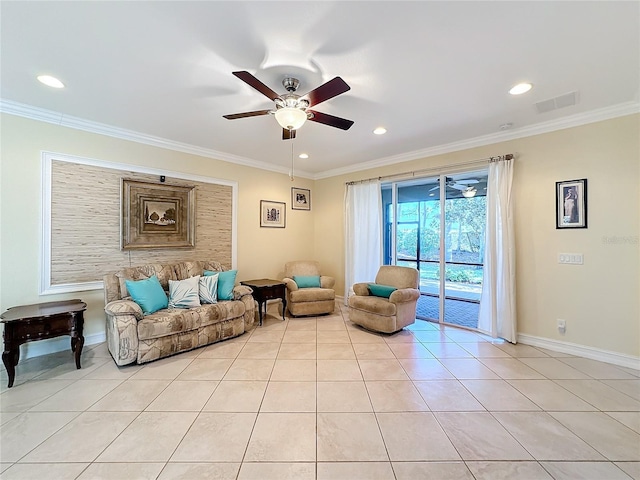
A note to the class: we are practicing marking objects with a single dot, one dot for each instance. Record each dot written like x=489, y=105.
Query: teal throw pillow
x=378, y=290
x=307, y=281
x=184, y=293
x=226, y=282
x=148, y=294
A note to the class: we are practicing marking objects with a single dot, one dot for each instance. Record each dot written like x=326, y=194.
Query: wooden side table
x=266, y=289
x=28, y=323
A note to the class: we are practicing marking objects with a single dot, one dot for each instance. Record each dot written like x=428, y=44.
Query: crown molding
x=607, y=113
x=49, y=116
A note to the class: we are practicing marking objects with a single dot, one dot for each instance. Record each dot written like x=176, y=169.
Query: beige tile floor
x=319, y=398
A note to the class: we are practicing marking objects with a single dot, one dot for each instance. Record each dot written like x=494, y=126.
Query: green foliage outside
x=464, y=240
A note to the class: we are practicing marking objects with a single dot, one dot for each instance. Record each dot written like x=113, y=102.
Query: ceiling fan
x=292, y=110
x=462, y=185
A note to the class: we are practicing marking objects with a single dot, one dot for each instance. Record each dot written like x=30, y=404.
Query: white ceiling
x=435, y=74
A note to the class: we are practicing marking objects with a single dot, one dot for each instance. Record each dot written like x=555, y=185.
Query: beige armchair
x=382, y=314
x=309, y=300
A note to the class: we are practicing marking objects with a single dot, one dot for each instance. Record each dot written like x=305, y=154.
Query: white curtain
x=363, y=233
x=497, y=314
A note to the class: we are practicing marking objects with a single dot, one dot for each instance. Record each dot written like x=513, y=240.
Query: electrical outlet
x=562, y=325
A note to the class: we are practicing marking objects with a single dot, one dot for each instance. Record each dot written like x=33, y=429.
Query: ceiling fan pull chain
x=291, y=175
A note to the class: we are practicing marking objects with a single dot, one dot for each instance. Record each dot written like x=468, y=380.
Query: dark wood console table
x=267, y=289
x=28, y=323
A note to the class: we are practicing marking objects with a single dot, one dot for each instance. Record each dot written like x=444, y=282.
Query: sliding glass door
x=443, y=239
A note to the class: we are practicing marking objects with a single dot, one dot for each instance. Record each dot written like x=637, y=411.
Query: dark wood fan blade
x=246, y=114
x=330, y=120
x=327, y=90
x=288, y=134
x=257, y=84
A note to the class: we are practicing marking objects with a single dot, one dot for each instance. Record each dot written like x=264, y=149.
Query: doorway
x=443, y=239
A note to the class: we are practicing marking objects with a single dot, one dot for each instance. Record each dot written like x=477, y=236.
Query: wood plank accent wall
x=85, y=224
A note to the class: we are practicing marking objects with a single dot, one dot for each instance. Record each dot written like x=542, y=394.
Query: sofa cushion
x=191, y=269
x=312, y=295
x=184, y=293
x=209, y=289
x=147, y=293
x=168, y=322
x=307, y=281
x=163, y=272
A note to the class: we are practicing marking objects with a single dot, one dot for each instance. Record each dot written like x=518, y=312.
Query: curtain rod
x=499, y=158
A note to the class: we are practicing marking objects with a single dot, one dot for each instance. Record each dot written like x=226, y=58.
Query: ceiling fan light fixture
x=469, y=192
x=290, y=118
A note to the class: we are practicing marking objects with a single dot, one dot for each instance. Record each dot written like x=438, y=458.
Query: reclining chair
x=389, y=304
x=308, y=292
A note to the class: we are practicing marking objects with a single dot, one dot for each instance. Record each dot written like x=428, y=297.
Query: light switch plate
x=571, y=258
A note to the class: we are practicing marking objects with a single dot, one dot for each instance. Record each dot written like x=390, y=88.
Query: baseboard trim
x=608, y=356
x=58, y=344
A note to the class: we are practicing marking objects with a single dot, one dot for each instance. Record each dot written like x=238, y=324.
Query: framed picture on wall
x=300, y=199
x=157, y=215
x=273, y=214
x=571, y=204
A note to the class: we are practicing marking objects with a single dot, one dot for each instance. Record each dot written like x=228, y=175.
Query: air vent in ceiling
x=566, y=100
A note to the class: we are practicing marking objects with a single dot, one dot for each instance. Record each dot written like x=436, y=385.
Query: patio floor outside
x=463, y=313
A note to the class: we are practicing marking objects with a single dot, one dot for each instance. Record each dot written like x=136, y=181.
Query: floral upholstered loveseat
x=135, y=337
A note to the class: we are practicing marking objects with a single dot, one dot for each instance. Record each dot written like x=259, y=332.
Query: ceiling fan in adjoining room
x=462, y=185
x=293, y=110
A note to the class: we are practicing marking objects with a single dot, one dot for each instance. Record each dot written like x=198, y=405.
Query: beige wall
x=262, y=252
x=598, y=300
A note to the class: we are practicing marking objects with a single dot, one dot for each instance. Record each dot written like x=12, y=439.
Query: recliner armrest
x=403, y=295
x=327, y=282
x=124, y=307
x=361, y=289
x=291, y=285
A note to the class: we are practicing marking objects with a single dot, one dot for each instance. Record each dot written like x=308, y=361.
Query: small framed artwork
x=300, y=199
x=571, y=204
x=157, y=215
x=272, y=214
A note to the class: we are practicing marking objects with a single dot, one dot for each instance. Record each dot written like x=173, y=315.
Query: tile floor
x=319, y=398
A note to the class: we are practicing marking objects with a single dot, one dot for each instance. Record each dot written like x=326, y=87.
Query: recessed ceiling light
x=50, y=81
x=520, y=88
x=303, y=155
x=380, y=131
x=432, y=194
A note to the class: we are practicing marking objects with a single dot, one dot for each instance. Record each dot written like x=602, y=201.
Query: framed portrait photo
x=300, y=199
x=272, y=214
x=571, y=204
x=157, y=215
